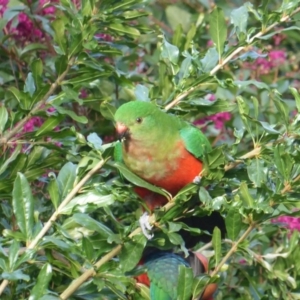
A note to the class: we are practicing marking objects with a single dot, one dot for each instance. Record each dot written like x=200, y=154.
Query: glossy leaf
x=23, y=205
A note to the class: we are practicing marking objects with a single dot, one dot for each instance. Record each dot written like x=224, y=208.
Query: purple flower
x=291, y=223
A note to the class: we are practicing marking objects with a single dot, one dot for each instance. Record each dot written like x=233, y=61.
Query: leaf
x=95, y=141
x=37, y=71
x=66, y=179
x=137, y=180
x=24, y=100
x=107, y=110
x=23, y=205
x=218, y=29
x=247, y=198
x=124, y=29
x=177, y=15
x=185, y=280
x=169, y=52
x=15, y=276
x=58, y=26
x=233, y=222
x=53, y=190
x=210, y=60
x=141, y=93
x=216, y=242
x=132, y=251
x=256, y=172
x=13, y=254
x=72, y=114
x=87, y=247
x=92, y=197
x=61, y=64
x=239, y=19
x=88, y=223
x=49, y=125
x=294, y=93
x=3, y=118
x=43, y=280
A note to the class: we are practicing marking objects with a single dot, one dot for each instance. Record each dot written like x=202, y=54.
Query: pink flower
x=291, y=223
x=34, y=122
x=3, y=7
x=277, y=57
x=218, y=119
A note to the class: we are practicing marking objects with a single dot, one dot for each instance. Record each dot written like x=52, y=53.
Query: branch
x=56, y=214
x=92, y=272
x=38, y=106
x=229, y=57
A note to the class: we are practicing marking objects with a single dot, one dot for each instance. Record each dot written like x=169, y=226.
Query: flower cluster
x=28, y=29
x=217, y=119
x=264, y=65
x=291, y=223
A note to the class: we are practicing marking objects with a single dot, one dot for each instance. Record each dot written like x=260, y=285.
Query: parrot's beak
x=122, y=131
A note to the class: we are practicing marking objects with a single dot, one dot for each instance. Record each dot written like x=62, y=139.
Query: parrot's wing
x=163, y=272
x=195, y=141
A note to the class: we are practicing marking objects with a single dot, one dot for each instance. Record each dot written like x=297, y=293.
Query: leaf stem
x=229, y=57
x=56, y=214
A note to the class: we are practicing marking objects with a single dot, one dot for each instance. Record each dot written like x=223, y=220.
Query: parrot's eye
x=139, y=120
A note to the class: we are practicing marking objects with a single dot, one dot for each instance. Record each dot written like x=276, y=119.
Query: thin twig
x=229, y=57
x=55, y=215
x=39, y=105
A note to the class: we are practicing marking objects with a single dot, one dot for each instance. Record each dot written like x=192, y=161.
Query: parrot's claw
x=145, y=225
x=197, y=180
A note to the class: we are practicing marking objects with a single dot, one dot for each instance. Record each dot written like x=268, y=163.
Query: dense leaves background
x=69, y=221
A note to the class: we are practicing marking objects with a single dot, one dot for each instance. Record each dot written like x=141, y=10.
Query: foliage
x=69, y=220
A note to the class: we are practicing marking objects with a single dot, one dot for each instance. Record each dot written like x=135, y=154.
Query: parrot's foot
x=197, y=179
x=145, y=225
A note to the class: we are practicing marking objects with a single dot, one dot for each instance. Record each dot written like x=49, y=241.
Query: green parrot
x=162, y=274
x=160, y=148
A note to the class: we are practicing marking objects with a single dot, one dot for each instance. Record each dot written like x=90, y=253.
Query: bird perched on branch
x=160, y=148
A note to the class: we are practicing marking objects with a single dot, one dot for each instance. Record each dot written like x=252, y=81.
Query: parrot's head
x=137, y=120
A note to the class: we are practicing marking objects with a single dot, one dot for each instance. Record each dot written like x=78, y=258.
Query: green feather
x=163, y=272
x=195, y=141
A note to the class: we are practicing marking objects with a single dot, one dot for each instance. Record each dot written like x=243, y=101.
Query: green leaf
x=132, y=251
x=88, y=248
x=41, y=286
x=107, y=110
x=23, y=205
x=53, y=190
x=87, y=222
x=233, y=222
x=141, y=93
x=124, y=29
x=178, y=16
x=137, y=180
x=66, y=179
x=72, y=114
x=3, y=118
x=169, y=52
x=37, y=71
x=256, y=172
x=185, y=280
x=210, y=60
x=239, y=19
x=246, y=197
x=61, y=64
x=49, y=125
x=94, y=140
x=218, y=29
x=295, y=94
x=15, y=276
x=13, y=255
x=92, y=197
x=216, y=242
x=21, y=97
x=58, y=26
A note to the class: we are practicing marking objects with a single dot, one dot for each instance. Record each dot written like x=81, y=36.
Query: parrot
x=160, y=148
x=163, y=272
